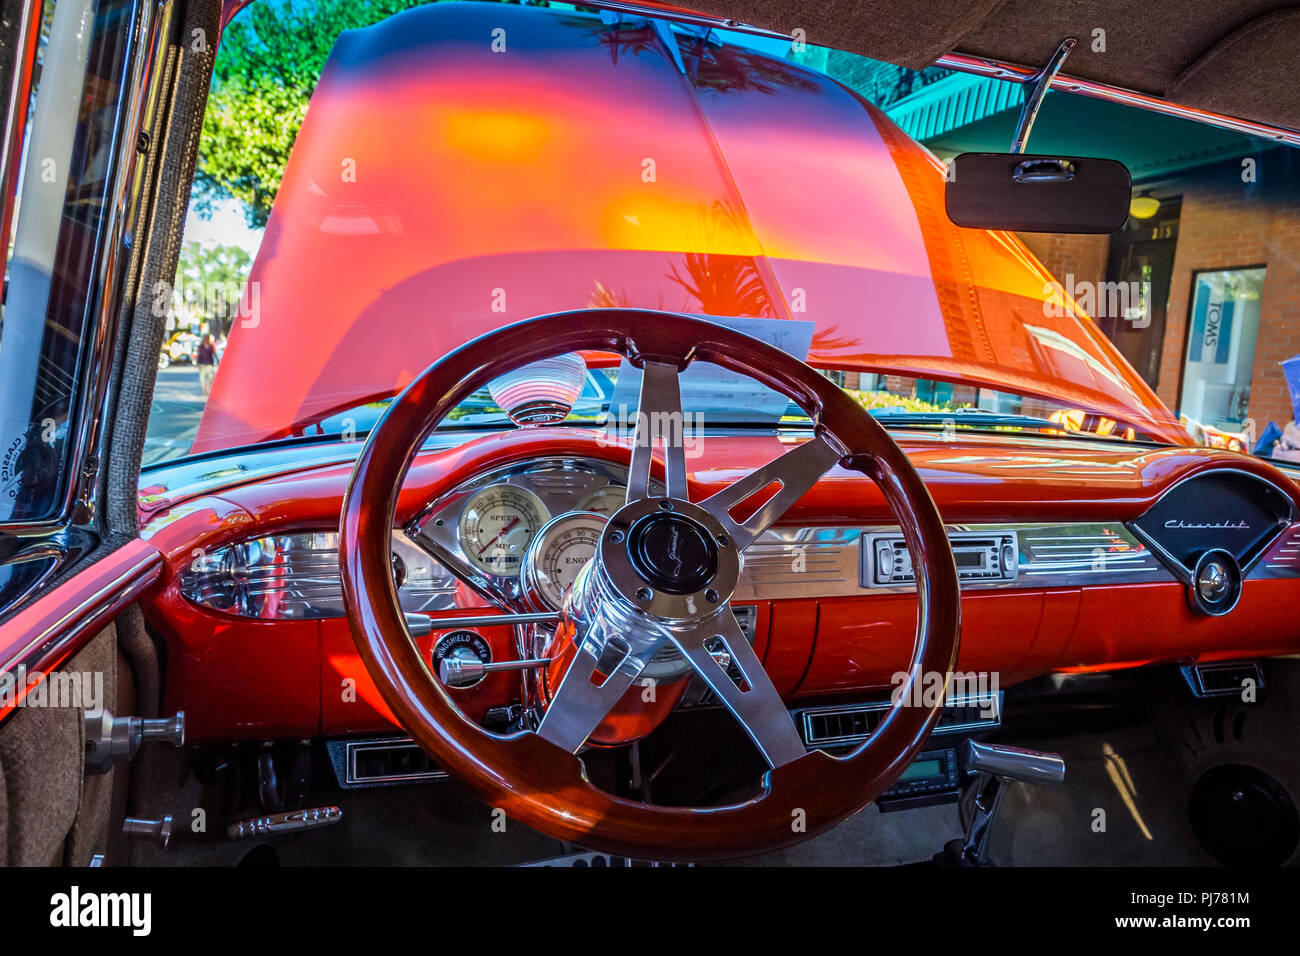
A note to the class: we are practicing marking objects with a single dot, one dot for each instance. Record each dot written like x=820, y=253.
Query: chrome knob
x=158, y=830
x=461, y=668
x=110, y=738
x=1215, y=585
x=167, y=730
x=1212, y=580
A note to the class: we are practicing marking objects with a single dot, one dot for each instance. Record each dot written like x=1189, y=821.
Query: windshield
x=379, y=185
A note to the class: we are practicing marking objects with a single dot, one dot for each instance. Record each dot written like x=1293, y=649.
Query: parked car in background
x=180, y=349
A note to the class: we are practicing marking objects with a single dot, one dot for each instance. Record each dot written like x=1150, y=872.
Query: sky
x=227, y=227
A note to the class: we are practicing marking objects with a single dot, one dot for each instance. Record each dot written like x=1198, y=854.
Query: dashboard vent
x=381, y=762
x=831, y=727
x=851, y=724
x=1228, y=679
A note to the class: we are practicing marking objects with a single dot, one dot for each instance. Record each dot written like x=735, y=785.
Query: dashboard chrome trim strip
x=784, y=563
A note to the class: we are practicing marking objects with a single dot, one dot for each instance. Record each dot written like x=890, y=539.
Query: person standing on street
x=207, y=362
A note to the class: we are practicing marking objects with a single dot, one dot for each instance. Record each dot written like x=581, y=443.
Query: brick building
x=1223, y=224
x=1214, y=242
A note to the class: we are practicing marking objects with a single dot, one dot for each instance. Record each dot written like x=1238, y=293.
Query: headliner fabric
x=1244, y=64
x=1235, y=58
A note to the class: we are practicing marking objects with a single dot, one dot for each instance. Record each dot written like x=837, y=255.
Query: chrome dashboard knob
x=1215, y=586
x=461, y=668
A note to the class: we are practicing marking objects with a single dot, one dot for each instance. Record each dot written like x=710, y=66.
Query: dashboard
x=255, y=611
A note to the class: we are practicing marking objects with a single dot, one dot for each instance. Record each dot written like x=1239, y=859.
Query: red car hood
x=449, y=179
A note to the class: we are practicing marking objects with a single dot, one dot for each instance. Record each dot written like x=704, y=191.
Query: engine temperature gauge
x=558, y=553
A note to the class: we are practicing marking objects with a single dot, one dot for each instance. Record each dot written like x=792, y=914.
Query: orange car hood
x=463, y=166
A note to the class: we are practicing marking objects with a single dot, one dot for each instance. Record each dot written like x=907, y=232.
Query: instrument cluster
x=523, y=532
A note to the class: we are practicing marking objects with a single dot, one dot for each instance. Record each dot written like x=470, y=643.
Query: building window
x=1220, y=352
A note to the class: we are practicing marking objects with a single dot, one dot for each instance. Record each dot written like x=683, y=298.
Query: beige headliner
x=1237, y=57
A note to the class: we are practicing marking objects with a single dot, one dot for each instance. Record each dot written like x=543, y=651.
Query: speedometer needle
x=500, y=534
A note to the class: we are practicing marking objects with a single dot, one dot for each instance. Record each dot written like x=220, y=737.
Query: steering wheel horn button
x=672, y=553
x=669, y=562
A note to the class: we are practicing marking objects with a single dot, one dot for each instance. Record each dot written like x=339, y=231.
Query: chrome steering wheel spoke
x=755, y=704
x=593, y=684
x=795, y=472
x=659, y=417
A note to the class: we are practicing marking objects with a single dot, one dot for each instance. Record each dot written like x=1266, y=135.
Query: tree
x=210, y=285
x=269, y=60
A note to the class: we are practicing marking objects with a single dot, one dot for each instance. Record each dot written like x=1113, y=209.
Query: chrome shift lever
x=998, y=766
x=1015, y=763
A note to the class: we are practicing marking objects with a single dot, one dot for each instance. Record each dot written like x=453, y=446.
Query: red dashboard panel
x=239, y=678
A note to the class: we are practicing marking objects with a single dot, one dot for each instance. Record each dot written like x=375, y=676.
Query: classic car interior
x=629, y=444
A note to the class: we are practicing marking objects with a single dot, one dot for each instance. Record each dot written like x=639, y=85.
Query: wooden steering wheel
x=662, y=575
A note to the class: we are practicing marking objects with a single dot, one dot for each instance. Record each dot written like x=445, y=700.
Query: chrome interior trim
x=824, y=562
x=296, y=577
x=354, y=748
x=1184, y=573
x=785, y=563
x=54, y=632
x=1282, y=558
x=999, y=70
x=991, y=700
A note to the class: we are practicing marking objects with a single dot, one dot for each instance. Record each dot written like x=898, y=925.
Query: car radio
x=932, y=778
x=980, y=557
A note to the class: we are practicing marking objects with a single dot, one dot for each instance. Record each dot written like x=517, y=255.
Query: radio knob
x=1008, y=558
x=886, y=560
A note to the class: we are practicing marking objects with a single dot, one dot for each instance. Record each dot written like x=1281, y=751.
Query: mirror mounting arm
x=1038, y=84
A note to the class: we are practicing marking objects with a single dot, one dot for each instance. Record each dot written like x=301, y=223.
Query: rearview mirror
x=1032, y=193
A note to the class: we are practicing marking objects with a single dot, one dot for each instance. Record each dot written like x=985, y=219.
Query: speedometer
x=496, y=526
x=559, y=553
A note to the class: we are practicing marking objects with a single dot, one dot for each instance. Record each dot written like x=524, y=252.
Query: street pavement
x=174, y=416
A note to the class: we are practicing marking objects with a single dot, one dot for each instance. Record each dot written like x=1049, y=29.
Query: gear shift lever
x=997, y=767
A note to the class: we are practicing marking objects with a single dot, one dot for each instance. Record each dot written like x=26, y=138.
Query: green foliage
x=269, y=60
x=211, y=280
x=874, y=400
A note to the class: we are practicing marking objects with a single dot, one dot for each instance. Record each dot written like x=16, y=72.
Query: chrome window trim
x=151, y=22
